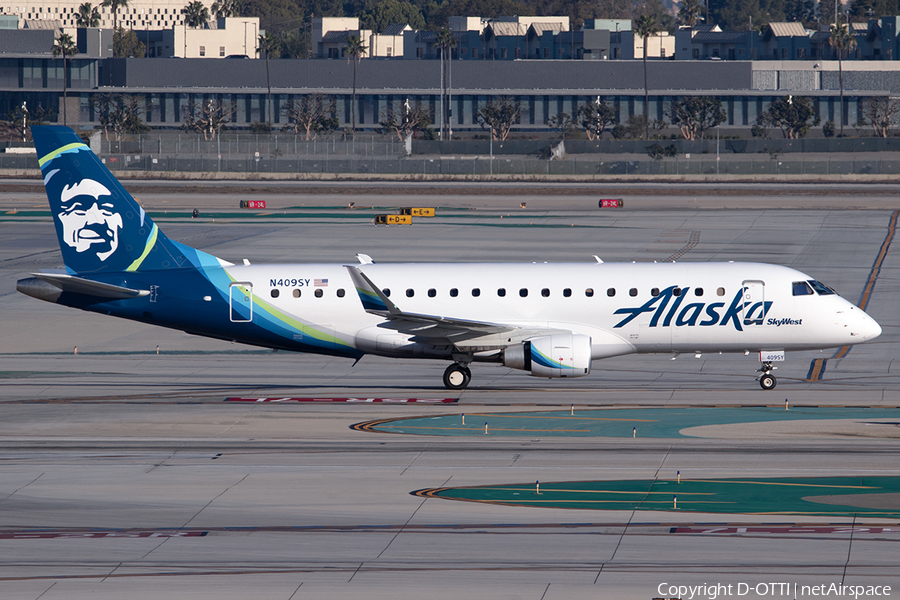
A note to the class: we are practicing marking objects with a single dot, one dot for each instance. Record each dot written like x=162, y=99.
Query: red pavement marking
x=787, y=529
x=359, y=400
x=43, y=535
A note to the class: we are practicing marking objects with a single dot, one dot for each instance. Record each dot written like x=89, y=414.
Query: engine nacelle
x=560, y=355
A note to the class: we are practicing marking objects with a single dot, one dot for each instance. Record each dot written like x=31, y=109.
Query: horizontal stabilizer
x=79, y=285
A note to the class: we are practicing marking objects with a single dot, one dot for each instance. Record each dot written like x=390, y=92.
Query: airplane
x=552, y=320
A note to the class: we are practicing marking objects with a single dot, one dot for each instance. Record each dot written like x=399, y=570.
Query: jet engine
x=560, y=355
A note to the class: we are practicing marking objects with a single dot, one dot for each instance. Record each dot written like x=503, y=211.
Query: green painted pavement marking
x=649, y=422
x=846, y=496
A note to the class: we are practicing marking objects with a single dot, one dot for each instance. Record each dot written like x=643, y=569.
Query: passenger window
x=821, y=288
x=545, y=293
x=720, y=292
x=676, y=291
x=589, y=292
x=432, y=293
x=340, y=293
x=632, y=292
x=296, y=293
x=801, y=288
x=654, y=292
x=501, y=292
x=275, y=293
x=386, y=292
x=611, y=292
x=454, y=292
x=698, y=291
x=567, y=292
x=524, y=292
x=318, y=293
x=410, y=293
x=476, y=292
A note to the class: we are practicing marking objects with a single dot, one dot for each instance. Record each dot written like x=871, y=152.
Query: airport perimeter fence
x=244, y=153
x=241, y=145
x=484, y=165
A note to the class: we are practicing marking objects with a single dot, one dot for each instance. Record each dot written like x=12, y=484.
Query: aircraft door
x=240, y=301
x=754, y=305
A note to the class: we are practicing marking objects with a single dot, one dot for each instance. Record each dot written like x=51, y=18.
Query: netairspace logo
x=720, y=590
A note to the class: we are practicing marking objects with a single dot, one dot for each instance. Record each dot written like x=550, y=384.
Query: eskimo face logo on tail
x=89, y=222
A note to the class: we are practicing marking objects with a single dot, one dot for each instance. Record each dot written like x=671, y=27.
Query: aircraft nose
x=867, y=328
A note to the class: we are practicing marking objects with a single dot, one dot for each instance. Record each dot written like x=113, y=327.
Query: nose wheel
x=767, y=381
x=457, y=377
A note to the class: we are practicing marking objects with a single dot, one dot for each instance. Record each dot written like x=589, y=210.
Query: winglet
x=373, y=299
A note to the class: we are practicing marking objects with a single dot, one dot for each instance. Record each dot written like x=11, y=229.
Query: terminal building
x=549, y=69
x=542, y=88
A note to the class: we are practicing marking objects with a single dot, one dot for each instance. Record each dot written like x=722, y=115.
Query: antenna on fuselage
x=598, y=259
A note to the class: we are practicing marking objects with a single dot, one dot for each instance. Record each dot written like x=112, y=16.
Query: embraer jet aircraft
x=551, y=320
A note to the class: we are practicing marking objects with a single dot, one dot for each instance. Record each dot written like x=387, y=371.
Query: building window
x=502, y=52
x=389, y=50
x=474, y=52
x=518, y=53
x=202, y=50
x=221, y=50
x=463, y=51
x=662, y=52
x=546, y=52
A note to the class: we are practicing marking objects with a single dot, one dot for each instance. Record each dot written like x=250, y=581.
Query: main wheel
x=767, y=382
x=457, y=377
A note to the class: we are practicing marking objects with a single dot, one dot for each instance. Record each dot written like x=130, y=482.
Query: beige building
x=227, y=36
x=139, y=14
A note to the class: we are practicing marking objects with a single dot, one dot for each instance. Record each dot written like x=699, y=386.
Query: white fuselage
x=697, y=307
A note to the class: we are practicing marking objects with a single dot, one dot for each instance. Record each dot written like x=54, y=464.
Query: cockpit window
x=821, y=288
x=801, y=288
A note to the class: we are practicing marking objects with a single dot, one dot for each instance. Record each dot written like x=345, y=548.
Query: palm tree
x=842, y=40
x=87, y=16
x=65, y=45
x=689, y=12
x=225, y=8
x=114, y=6
x=269, y=44
x=645, y=26
x=445, y=41
x=355, y=50
x=195, y=14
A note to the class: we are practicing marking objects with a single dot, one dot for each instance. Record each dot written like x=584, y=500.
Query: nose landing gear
x=457, y=376
x=767, y=381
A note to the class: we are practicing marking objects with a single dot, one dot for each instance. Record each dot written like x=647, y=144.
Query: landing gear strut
x=457, y=377
x=767, y=381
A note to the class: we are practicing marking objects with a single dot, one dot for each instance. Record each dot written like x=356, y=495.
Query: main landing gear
x=767, y=381
x=457, y=377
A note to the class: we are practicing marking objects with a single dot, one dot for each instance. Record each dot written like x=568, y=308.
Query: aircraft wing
x=435, y=329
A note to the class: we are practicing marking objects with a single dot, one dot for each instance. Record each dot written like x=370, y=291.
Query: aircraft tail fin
x=101, y=228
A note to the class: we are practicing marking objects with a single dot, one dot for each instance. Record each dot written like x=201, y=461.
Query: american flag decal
x=320, y=283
